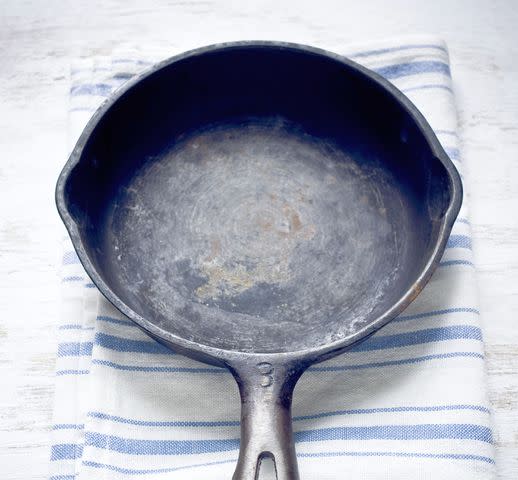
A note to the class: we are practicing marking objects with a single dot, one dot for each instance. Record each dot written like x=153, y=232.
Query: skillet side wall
x=314, y=98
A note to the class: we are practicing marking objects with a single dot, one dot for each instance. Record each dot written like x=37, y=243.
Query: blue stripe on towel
x=75, y=326
x=364, y=411
x=121, y=344
x=132, y=446
x=431, y=456
x=438, y=456
x=397, y=432
x=133, y=61
x=429, y=335
x=459, y=241
x=71, y=371
x=147, y=471
x=433, y=313
x=155, y=369
x=75, y=349
x=453, y=153
x=68, y=426
x=413, y=68
x=235, y=423
x=452, y=133
x=66, y=451
x=399, y=48
x=116, y=321
x=428, y=86
x=73, y=278
x=70, y=258
x=123, y=75
x=450, y=263
x=178, y=423
x=98, y=89
x=405, y=361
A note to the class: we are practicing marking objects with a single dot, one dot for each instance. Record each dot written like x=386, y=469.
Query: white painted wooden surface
x=37, y=41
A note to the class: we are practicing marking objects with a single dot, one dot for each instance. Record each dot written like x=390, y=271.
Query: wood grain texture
x=39, y=39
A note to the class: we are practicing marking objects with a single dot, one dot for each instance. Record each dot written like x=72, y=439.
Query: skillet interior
x=258, y=199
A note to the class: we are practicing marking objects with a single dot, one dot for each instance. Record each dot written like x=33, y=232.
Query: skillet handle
x=266, y=391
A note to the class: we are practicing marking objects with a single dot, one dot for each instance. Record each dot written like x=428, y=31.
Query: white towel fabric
x=410, y=405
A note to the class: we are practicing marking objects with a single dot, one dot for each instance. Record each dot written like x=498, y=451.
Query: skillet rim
x=220, y=356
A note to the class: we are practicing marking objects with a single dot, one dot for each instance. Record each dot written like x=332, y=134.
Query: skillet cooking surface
x=285, y=230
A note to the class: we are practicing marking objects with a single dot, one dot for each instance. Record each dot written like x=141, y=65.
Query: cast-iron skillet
x=260, y=206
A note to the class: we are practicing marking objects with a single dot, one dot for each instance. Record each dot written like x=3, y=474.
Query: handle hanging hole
x=266, y=467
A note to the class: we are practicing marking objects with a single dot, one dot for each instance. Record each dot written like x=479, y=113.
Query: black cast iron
x=260, y=206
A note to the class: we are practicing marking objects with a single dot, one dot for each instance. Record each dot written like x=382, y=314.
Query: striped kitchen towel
x=410, y=404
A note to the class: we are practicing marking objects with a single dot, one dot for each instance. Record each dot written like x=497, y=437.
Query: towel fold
x=410, y=403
